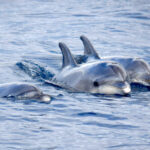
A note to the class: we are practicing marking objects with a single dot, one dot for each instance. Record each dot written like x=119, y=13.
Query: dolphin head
x=44, y=98
x=108, y=78
x=145, y=79
x=139, y=72
x=142, y=78
x=101, y=77
x=27, y=91
x=35, y=96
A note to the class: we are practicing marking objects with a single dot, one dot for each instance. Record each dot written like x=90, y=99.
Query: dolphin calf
x=23, y=91
x=97, y=77
x=137, y=69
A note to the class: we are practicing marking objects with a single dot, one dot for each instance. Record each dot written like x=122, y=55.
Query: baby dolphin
x=97, y=77
x=137, y=69
x=23, y=91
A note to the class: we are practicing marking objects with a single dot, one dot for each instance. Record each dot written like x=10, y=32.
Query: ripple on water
x=72, y=120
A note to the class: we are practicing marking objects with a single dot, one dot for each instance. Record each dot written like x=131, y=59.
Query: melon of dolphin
x=23, y=91
x=137, y=69
x=98, y=77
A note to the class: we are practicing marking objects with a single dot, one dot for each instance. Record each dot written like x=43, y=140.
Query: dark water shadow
x=99, y=115
x=105, y=125
x=139, y=87
x=35, y=70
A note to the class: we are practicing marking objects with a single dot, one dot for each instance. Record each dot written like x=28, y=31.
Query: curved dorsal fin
x=88, y=47
x=68, y=59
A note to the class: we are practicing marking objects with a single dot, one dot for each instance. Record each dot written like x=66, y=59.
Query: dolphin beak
x=120, y=88
x=127, y=89
x=45, y=98
x=124, y=87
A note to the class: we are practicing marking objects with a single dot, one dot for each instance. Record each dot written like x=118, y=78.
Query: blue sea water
x=29, y=33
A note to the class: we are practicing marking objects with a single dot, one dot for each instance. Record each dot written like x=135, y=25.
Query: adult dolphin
x=137, y=69
x=23, y=91
x=98, y=77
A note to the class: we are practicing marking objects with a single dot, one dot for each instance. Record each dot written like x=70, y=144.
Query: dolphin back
x=16, y=89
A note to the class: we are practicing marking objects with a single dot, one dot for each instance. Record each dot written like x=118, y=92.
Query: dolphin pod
x=137, y=69
x=23, y=91
x=87, y=73
x=104, y=77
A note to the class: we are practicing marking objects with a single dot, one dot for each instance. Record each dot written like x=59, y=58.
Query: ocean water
x=29, y=34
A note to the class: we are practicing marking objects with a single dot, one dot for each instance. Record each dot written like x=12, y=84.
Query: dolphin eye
x=95, y=83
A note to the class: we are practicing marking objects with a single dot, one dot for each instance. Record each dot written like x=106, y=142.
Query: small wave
x=83, y=15
x=105, y=125
x=133, y=15
x=93, y=114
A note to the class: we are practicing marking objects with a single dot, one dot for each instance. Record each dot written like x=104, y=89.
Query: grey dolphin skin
x=97, y=77
x=23, y=91
x=137, y=69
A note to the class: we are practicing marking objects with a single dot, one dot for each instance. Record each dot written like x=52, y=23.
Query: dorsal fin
x=89, y=50
x=68, y=59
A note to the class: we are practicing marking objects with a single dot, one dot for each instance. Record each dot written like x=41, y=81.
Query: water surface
x=30, y=30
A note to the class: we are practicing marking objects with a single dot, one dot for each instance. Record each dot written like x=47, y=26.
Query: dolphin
x=98, y=77
x=23, y=91
x=137, y=69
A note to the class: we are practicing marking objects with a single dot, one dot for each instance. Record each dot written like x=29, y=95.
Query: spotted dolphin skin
x=23, y=91
x=137, y=69
x=97, y=77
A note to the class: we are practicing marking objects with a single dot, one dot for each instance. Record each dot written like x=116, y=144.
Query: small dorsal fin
x=88, y=47
x=68, y=59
